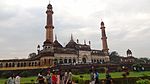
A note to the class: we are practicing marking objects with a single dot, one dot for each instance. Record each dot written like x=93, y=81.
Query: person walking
x=61, y=74
x=108, y=78
x=69, y=80
x=92, y=79
x=54, y=78
x=48, y=78
x=96, y=77
x=40, y=79
x=11, y=80
x=65, y=77
x=17, y=80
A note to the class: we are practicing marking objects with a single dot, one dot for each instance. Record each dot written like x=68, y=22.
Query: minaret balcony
x=49, y=26
x=104, y=38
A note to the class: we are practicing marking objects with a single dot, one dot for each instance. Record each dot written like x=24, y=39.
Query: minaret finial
x=84, y=42
x=38, y=48
x=71, y=37
x=102, y=23
x=49, y=1
x=77, y=40
x=89, y=42
x=55, y=37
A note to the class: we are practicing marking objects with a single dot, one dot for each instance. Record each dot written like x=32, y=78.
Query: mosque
x=54, y=53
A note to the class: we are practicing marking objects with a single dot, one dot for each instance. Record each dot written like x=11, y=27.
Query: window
x=1, y=65
x=13, y=64
x=44, y=61
x=61, y=61
x=70, y=61
x=55, y=61
x=97, y=61
x=35, y=63
x=94, y=60
x=29, y=64
x=21, y=64
x=65, y=60
x=9, y=64
x=32, y=63
x=49, y=61
x=24, y=64
x=6, y=64
x=18, y=65
x=74, y=60
x=39, y=64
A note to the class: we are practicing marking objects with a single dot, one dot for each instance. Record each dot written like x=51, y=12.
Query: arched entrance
x=60, y=61
x=70, y=61
x=55, y=61
x=65, y=60
x=74, y=60
x=84, y=60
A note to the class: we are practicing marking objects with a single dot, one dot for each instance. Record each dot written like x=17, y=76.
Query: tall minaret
x=49, y=26
x=104, y=39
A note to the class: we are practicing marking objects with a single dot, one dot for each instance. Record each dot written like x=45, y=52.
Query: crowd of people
x=55, y=78
x=94, y=77
x=61, y=77
x=13, y=80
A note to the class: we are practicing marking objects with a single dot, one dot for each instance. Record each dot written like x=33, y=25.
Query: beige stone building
x=54, y=53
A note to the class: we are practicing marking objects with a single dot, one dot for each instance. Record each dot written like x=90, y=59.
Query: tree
x=144, y=60
x=114, y=57
x=114, y=53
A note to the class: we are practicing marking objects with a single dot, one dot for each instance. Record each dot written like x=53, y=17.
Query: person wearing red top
x=54, y=78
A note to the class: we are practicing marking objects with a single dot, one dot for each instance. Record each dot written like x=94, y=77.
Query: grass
x=23, y=80
x=115, y=75
x=86, y=76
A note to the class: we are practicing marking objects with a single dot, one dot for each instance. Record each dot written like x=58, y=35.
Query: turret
x=104, y=39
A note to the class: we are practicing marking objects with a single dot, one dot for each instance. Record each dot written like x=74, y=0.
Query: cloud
x=127, y=24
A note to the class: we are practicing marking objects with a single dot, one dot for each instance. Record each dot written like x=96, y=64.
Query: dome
x=57, y=44
x=49, y=6
x=71, y=44
x=102, y=23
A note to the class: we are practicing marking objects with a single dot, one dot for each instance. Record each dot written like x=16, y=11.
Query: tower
x=104, y=39
x=48, y=43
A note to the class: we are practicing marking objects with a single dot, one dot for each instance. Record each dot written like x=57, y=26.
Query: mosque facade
x=54, y=53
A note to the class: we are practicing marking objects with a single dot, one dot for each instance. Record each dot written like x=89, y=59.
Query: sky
x=127, y=22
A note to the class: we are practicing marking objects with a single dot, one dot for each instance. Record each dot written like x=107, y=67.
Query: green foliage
x=25, y=73
x=3, y=80
x=114, y=57
x=5, y=74
x=75, y=78
x=114, y=75
x=28, y=80
x=143, y=81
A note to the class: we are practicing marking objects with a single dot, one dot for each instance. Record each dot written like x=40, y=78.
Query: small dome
x=38, y=46
x=57, y=44
x=102, y=23
x=71, y=44
x=49, y=6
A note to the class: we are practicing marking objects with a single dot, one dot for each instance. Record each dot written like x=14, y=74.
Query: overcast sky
x=127, y=25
